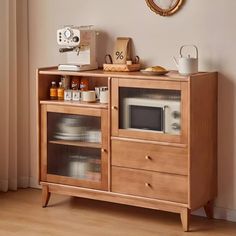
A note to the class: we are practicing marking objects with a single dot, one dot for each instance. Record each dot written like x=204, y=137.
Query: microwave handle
x=164, y=118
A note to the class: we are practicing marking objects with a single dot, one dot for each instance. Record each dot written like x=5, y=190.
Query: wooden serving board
x=121, y=67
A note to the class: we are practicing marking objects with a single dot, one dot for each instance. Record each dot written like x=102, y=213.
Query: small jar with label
x=53, y=91
x=68, y=95
x=60, y=92
x=75, y=82
x=65, y=79
x=84, y=84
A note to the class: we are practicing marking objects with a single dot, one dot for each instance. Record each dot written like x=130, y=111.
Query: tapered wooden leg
x=209, y=209
x=45, y=195
x=185, y=215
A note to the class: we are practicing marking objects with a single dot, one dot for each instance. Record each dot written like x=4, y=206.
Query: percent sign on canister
x=119, y=55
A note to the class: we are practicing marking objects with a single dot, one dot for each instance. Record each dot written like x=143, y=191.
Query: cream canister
x=88, y=96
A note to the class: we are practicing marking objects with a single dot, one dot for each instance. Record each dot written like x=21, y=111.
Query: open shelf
x=76, y=143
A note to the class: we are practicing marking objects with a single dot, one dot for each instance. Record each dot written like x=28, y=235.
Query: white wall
x=208, y=24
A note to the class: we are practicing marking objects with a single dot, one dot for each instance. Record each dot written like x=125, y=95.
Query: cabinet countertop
x=171, y=76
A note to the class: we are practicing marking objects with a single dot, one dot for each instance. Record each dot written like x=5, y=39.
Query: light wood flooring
x=21, y=214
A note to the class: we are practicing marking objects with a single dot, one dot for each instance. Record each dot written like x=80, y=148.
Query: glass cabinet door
x=152, y=110
x=75, y=147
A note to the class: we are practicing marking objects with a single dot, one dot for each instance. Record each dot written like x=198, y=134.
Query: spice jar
x=84, y=84
x=53, y=91
x=75, y=83
x=65, y=79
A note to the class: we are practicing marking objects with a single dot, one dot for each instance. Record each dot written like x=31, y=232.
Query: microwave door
x=150, y=118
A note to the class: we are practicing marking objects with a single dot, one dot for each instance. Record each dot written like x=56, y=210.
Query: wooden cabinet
x=157, y=146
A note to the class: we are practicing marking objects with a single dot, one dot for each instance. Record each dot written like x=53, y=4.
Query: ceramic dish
x=155, y=72
x=69, y=137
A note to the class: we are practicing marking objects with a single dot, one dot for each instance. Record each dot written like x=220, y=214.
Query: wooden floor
x=21, y=214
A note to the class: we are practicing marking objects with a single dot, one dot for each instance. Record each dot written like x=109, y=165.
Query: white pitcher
x=187, y=65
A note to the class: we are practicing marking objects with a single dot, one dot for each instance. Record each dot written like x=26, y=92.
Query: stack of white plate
x=69, y=128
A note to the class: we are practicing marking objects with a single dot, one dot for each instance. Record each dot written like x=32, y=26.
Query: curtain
x=14, y=95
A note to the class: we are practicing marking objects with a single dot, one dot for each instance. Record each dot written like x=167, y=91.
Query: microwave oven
x=158, y=115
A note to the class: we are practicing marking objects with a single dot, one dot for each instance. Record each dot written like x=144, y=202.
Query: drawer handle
x=114, y=107
x=104, y=150
x=148, y=158
x=147, y=185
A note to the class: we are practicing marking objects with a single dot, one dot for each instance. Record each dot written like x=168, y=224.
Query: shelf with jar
x=76, y=90
x=44, y=83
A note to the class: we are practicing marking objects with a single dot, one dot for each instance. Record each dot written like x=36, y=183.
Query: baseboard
x=219, y=213
x=34, y=183
x=3, y=186
x=23, y=182
x=14, y=184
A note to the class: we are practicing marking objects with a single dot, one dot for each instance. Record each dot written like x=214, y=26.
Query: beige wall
x=208, y=24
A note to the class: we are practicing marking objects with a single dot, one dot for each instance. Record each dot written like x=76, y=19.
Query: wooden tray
x=121, y=67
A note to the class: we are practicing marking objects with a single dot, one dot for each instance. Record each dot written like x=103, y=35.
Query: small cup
x=88, y=96
x=104, y=96
x=98, y=91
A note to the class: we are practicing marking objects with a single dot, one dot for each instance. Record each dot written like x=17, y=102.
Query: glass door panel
x=76, y=162
x=74, y=128
x=74, y=146
x=149, y=109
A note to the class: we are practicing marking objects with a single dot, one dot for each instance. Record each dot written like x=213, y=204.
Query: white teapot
x=187, y=65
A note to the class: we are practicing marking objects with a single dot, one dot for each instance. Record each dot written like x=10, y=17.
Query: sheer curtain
x=14, y=95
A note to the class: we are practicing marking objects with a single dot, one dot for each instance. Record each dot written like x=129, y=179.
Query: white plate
x=155, y=72
x=69, y=138
x=71, y=135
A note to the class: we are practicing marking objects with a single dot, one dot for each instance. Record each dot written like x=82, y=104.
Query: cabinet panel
x=151, y=110
x=74, y=146
x=150, y=157
x=150, y=184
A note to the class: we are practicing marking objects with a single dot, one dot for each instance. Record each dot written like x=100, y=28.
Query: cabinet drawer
x=150, y=184
x=150, y=157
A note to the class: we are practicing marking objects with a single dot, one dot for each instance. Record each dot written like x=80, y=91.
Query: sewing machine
x=80, y=45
